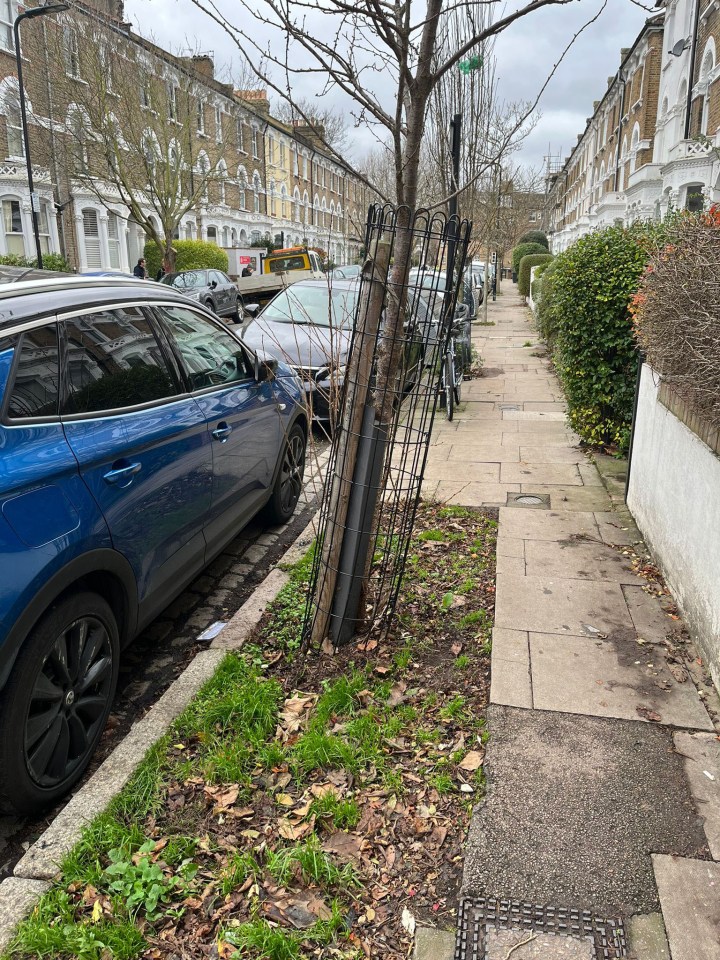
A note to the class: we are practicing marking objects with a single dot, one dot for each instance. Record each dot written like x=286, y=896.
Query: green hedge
x=535, y=236
x=526, y=264
x=583, y=313
x=51, y=261
x=191, y=255
x=524, y=250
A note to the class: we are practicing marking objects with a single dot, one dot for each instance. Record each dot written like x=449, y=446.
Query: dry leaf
x=397, y=694
x=649, y=714
x=284, y=799
x=345, y=845
x=472, y=761
x=222, y=797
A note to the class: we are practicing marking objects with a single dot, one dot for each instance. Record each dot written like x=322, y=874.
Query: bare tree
x=132, y=115
x=333, y=124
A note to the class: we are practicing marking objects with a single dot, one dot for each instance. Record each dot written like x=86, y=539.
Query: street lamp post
x=34, y=203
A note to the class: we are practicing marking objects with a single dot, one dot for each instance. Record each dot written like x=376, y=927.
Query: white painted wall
x=674, y=496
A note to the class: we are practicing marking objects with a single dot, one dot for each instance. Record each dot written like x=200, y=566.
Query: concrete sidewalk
x=603, y=765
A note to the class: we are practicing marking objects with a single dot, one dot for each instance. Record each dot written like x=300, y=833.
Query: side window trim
x=20, y=334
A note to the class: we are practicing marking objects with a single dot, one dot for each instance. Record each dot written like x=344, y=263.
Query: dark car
x=138, y=435
x=310, y=326
x=212, y=288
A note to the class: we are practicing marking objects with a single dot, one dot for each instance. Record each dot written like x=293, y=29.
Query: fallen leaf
x=97, y=911
x=649, y=714
x=345, y=845
x=472, y=761
x=284, y=799
x=678, y=671
x=456, y=649
x=222, y=797
x=397, y=694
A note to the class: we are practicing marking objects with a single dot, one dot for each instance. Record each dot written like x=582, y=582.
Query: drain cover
x=508, y=406
x=480, y=920
x=537, y=500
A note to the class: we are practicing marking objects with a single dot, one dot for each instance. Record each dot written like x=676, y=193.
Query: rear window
x=280, y=264
x=319, y=305
x=34, y=391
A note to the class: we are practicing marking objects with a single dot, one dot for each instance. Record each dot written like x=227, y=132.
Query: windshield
x=318, y=305
x=281, y=264
x=183, y=281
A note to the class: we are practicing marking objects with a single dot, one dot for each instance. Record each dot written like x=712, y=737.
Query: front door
x=242, y=418
x=141, y=443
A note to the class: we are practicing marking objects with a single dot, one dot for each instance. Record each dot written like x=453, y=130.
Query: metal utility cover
x=538, y=501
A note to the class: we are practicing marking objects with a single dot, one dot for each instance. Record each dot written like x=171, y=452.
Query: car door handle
x=222, y=431
x=122, y=475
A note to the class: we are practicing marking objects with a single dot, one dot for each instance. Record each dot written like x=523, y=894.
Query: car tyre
x=56, y=702
x=210, y=306
x=289, y=481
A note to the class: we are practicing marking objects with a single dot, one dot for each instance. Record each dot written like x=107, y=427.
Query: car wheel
x=210, y=305
x=288, y=485
x=54, y=707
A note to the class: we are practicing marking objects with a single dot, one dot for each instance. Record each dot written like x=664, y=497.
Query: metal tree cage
x=390, y=390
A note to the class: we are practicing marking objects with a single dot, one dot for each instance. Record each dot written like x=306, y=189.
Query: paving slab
x=536, y=416
x=575, y=806
x=649, y=619
x=469, y=494
x=474, y=472
x=646, y=937
x=571, y=497
x=570, y=607
x=484, y=453
x=577, y=557
x=701, y=753
x=513, y=565
x=510, y=546
x=551, y=453
x=615, y=529
x=690, y=897
x=526, y=945
x=510, y=683
x=545, y=524
x=565, y=474
x=590, y=475
x=434, y=944
x=606, y=678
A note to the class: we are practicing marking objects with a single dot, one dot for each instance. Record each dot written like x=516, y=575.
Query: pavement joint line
x=35, y=871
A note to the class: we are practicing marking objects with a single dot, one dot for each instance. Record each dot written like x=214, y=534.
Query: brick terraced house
x=653, y=141
x=125, y=135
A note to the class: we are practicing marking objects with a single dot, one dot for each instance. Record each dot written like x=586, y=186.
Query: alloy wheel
x=292, y=472
x=68, y=702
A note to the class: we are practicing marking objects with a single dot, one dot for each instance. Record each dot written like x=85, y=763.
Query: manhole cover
x=540, y=501
x=508, y=406
x=581, y=934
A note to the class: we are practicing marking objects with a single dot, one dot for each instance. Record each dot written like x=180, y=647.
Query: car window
x=113, y=361
x=183, y=281
x=210, y=355
x=287, y=263
x=35, y=388
x=219, y=277
x=319, y=305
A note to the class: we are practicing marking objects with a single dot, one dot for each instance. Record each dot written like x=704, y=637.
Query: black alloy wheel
x=289, y=483
x=57, y=701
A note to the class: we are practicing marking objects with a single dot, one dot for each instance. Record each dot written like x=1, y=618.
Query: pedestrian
x=247, y=270
x=164, y=268
x=139, y=269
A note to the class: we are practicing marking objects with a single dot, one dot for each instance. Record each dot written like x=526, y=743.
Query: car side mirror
x=265, y=368
x=251, y=309
x=462, y=312
x=213, y=284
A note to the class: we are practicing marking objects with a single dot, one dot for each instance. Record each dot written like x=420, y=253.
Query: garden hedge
x=191, y=255
x=51, y=261
x=584, y=314
x=526, y=264
x=524, y=250
x=534, y=236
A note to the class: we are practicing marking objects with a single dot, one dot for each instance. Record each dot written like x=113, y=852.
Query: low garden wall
x=674, y=495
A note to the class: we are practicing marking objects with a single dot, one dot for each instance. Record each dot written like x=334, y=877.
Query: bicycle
x=451, y=371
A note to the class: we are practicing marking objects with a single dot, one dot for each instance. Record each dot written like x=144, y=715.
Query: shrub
x=546, y=302
x=677, y=311
x=534, y=236
x=594, y=348
x=524, y=250
x=191, y=255
x=526, y=264
x=51, y=261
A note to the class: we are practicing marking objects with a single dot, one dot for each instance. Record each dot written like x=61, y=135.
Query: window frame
x=167, y=354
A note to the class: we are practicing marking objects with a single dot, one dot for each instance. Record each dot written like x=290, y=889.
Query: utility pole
x=34, y=201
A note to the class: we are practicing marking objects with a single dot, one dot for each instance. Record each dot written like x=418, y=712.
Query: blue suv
x=138, y=435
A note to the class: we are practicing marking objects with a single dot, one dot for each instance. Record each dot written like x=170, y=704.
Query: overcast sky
x=525, y=54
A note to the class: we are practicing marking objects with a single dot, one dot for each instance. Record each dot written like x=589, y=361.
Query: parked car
x=348, y=271
x=432, y=285
x=138, y=435
x=310, y=326
x=212, y=288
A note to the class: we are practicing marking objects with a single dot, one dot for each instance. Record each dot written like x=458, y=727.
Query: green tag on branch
x=472, y=63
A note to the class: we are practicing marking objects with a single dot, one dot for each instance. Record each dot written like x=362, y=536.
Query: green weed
x=342, y=814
